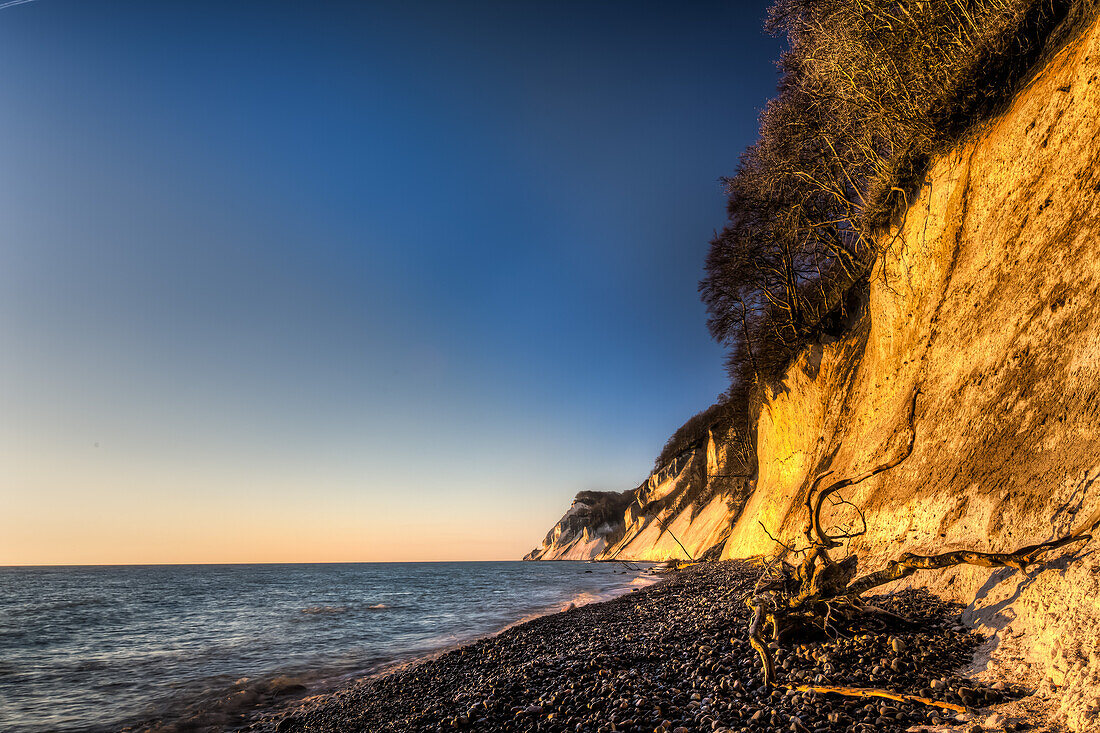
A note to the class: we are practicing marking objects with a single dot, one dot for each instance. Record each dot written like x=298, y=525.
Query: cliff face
x=987, y=301
x=681, y=511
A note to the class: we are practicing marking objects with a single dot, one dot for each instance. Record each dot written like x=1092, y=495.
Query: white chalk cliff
x=988, y=300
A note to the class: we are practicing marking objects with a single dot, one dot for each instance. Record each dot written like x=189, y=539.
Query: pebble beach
x=672, y=658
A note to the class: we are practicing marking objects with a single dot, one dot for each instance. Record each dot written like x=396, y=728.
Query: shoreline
x=672, y=656
x=225, y=704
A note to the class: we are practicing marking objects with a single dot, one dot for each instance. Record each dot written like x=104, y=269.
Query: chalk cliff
x=682, y=511
x=592, y=524
x=987, y=300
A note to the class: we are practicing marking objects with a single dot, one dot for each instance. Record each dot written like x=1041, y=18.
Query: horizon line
x=272, y=562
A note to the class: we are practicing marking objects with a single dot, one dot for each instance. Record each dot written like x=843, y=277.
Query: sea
x=186, y=647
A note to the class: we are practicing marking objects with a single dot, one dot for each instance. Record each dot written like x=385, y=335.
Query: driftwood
x=824, y=593
x=873, y=692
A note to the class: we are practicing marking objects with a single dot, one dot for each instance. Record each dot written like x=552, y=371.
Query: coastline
x=229, y=703
x=673, y=656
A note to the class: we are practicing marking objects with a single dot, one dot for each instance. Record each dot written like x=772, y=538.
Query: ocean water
x=189, y=647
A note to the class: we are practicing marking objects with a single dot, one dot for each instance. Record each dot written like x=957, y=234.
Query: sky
x=325, y=282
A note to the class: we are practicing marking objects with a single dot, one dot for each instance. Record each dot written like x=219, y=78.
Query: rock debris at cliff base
x=672, y=657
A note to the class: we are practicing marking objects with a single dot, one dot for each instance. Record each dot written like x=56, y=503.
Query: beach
x=674, y=656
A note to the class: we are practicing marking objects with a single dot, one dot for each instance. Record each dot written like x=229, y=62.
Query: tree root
x=815, y=499
x=909, y=563
x=836, y=607
x=756, y=638
x=824, y=593
x=873, y=692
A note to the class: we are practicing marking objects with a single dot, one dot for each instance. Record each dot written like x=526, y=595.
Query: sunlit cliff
x=986, y=299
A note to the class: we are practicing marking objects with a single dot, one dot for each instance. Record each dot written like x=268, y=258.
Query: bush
x=722, y=417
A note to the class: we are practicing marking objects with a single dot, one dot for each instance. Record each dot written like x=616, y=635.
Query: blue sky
x=352, y=281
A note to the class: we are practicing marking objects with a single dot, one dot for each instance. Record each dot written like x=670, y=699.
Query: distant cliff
x=987, y=300
x=593, y=523
x=683, y=510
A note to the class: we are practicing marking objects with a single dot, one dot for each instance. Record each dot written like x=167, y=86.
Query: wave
x=332, y=610
x=325, y=609
x=216, y=704
x=37, y=609
x=584, y=598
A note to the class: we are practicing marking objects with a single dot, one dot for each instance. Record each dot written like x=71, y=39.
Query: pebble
x=686, y=668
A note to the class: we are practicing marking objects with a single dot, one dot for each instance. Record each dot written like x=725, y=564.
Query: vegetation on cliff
x=870, y=90
x=604, y=507
x=718, y=418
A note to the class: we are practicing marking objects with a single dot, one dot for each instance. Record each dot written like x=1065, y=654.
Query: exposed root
x=824, y=593
x=756, y=638
x=815, y=499
x=909, y=563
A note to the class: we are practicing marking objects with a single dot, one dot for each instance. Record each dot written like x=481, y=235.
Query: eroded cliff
x=987, y=300
x=682, y=511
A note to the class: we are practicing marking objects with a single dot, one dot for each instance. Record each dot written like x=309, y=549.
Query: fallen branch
x=666, y=528
x=872, y=692
x=756, y=638
x=646, y=512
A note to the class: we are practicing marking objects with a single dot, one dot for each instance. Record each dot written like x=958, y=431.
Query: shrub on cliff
x=727, y=418
x=605, y=506
x=870, y=90
x=691, y=434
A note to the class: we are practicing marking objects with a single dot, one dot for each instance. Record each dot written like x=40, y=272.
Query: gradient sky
x=327, y=281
